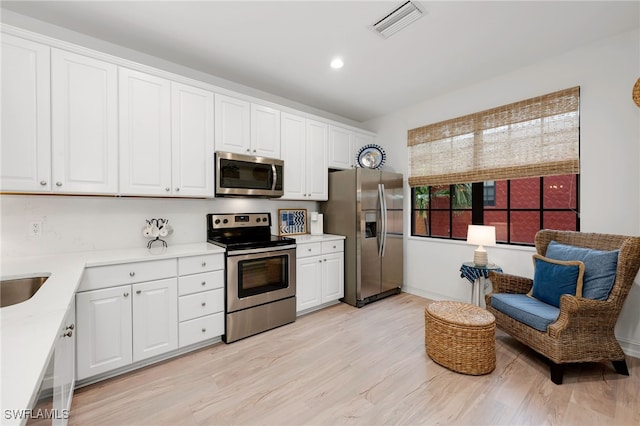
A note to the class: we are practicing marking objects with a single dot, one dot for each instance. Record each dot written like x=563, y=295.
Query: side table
x=476, y=276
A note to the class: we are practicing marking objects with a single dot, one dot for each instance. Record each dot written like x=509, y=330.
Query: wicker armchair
x=584, y=330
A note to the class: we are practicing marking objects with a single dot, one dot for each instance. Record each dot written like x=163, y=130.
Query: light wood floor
x=344, y=365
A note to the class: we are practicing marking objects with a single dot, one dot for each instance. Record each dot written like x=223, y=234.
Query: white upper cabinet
x=294, y=141
x=246, y=128
x=84, y=95
x=145, y=134
x=317, y=171
x=265, y=131
x=341, y=148
x=233, y=128
x=192, y=141
x=304, y=151
x=26, y=116
x=360, y=140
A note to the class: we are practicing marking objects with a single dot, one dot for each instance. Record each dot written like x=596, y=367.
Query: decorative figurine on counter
x=156, y=228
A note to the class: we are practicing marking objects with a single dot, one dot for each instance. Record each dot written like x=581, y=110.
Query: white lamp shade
x=481, y=235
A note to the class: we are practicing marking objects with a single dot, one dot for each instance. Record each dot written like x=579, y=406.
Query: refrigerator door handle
x=383, y=216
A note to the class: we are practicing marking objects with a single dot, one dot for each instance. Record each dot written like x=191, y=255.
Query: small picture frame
x=292, y=221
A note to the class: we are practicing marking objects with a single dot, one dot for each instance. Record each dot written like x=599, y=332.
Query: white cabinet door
x=293, y=153
x=265, y=131
x=145, y=138
x=84, y=95
x=192, y=141
x=317, y=173
x=308, y=282
x=155, y=318
x=64, y=376
x=26, y=119
x=232, y=125
x=103, y=330
x=341, y=148
x=332, y=277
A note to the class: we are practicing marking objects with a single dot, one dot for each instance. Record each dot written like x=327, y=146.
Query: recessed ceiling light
x=337, y=63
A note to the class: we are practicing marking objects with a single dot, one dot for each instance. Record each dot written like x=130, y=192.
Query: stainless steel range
x=260, y=290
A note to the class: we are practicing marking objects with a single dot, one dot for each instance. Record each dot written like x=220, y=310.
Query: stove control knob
x=217, y=221
x=225, y=221
x=258, y=220
x=264, y=219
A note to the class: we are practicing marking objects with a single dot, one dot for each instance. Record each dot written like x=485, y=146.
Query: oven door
x=259, y=276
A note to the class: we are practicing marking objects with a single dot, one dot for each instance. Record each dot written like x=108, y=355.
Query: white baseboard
x=630, y=348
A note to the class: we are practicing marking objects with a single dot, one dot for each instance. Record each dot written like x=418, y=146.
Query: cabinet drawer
x=200, y=304
x=190, y=284
x=333, y=246
x=127, y=273
x=200, y=329
x=308, y=249
x=197, y=264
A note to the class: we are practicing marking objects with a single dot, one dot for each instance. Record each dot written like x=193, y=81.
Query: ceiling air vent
x=397, y=19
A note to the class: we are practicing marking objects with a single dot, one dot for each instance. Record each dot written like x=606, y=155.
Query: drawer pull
x=132, y=274
x=138, y=291
x=126, y=295
x=204, y=330
x=204, y=303
x=308, y=249
x=204, y=264
x=204, y=283
x=334, y=246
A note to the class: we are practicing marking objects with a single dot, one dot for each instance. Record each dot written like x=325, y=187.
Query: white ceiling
x=284, y=48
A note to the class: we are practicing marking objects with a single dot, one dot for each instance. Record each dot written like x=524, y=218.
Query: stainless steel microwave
x=248, y=175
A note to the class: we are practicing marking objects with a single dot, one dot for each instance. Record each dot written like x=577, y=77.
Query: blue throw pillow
x=599, y=267
x=553, y=278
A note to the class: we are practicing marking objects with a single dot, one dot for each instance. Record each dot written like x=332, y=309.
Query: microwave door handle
x=274, y=173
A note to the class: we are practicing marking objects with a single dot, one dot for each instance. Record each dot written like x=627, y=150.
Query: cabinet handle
x=58, y=183
x=204, y=330
x=254, y=150
x=204, y=264
x=248, y=150
x=204, y=303
x=167, y=189
x=320, y=261
x=68, y=333
x=43, y=182
x=138, y=291
x=132, y=274
x=325, y=260
x=177, y=189
x=204, y=282
x=334, y=246
x=309, y=249
x=71, y=327
x=126, y=295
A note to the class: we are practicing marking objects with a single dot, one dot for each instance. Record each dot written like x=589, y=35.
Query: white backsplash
x=79, y=223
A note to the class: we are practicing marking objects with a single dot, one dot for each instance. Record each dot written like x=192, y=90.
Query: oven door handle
x=260, y=250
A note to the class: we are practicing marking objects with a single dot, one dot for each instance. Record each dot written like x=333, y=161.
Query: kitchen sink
x=19, y=289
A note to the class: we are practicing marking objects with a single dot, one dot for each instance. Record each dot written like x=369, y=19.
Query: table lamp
x=482, y=236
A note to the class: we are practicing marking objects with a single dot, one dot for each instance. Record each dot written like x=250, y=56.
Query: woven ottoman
x=461, y=337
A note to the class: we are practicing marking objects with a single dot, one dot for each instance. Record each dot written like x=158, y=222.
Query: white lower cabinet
x=121, y=324
x=104, y=330
x=319, y=273
x=201, y=298
x=64, y=370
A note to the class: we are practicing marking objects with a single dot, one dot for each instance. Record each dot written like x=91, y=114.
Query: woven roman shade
x=530, y=138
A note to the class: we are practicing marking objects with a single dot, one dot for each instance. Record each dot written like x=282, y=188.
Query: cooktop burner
x=243, y=231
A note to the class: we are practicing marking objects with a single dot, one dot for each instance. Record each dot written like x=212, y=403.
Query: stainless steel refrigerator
x=365, y=206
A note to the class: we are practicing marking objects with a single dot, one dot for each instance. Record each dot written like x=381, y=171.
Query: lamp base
x=480, y=257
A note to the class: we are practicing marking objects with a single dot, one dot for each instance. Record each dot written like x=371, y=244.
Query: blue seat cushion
x=525, y=309
x=599, y=267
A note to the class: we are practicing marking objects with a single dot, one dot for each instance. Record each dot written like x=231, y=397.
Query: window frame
x=477, y=210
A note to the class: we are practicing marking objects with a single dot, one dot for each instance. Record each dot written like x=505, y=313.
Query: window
x=515, y=167
x=519, y=208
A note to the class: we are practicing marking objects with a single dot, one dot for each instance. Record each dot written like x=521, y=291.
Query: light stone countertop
x=308, y=238
x=29, y=330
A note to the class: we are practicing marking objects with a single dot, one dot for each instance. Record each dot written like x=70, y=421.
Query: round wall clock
x=371, y=157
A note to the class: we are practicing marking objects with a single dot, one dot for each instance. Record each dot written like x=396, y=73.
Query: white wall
x=609, y=156
x=76, y=223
